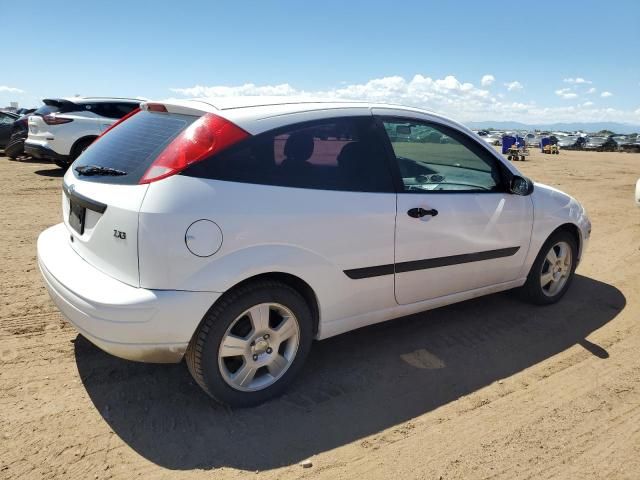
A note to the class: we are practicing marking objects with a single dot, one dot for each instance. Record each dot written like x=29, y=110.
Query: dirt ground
x=490, y=388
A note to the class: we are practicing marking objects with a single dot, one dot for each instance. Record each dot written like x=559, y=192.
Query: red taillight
x=53, y=120
x=204, y=137
x=128, y=115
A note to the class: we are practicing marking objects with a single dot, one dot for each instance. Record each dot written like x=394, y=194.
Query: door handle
x=421, y=212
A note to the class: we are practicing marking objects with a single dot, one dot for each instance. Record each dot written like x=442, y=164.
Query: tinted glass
x=437, y=158
x=337, y=154
x=46, y=109
x=133, y=145
x=112, y=109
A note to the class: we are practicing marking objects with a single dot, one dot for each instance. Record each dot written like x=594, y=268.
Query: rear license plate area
x=77, y=215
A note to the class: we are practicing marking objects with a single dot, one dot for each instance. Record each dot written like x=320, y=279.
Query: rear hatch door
x=102, y=196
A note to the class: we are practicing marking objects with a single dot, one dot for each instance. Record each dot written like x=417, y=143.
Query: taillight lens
x=128, y=115
x=53, y=120
x=204, y=137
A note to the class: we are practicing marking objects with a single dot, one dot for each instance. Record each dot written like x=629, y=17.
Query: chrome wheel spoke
x=259, y=316
x=562, y=252
x=233, y=346
x=259, y=350
x=245, y=375
x=287, y=329
x=278, y=365
x=556, y=269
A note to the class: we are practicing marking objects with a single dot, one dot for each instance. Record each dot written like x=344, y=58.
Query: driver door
x=457, y=227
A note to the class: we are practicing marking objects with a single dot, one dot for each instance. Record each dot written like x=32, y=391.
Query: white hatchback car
x=62, y=128
x=234, y=232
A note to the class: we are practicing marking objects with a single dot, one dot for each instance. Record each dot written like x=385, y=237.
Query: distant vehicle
x=6, y=124
x=532, y=139
x=19, y=132
x=568, y=141
x=234, y=232
x=625, y=142
x=595, y=143
x=63, y=128
x=493, y=138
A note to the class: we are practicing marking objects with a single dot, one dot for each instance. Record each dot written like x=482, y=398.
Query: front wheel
x=251, y=344
x=553, y=270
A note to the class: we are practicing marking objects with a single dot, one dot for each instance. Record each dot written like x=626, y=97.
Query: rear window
x=46, y=110
x=132, y=146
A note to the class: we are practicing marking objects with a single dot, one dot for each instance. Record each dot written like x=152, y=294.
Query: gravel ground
x=490, y=388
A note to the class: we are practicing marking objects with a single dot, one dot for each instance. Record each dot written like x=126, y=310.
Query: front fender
x=552, y=209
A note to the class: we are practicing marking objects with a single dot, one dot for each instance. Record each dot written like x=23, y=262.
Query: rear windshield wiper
x=89, y=170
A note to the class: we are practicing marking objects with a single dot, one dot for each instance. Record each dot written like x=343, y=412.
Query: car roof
x=294, y=103
x=259, y=113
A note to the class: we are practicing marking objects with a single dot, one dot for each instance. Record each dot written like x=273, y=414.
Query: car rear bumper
x=44, y=152
x=125, y=321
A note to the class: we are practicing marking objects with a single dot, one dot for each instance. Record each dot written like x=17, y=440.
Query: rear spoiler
x=61, y=103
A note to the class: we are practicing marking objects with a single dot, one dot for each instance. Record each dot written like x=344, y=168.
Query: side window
x=122, y=109
x=6, y=119
x=337, y=154
x=113, y=109
x=434, y=158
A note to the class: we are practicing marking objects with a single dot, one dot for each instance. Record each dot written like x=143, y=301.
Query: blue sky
x=541, y=61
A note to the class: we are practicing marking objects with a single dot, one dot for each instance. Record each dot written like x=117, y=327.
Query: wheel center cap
x=260, y=346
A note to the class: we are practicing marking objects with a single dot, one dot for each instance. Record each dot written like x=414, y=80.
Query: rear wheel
x=251, y=344
x=14, y=148
x=553, y=270
x=78, y=148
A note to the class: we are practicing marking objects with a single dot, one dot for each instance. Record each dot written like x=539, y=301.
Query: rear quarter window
x=335, y=154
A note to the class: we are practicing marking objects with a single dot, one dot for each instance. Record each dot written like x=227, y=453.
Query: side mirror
x=520, y=185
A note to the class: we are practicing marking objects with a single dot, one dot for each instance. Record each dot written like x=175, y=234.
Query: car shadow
x=51, y=172
x=353, y=385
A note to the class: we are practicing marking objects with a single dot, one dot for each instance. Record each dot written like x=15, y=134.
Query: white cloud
x=487, y=80
x=246, y=89
x=566, y=93
x=592, y=90
x=513, y=86
x=4, y=88
x=606, y=94
x=448, y=95
x=577, y=80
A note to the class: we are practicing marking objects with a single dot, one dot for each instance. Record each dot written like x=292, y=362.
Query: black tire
x=14, y=148
x=532, y=290
x=78, y=148
x=202, y=354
